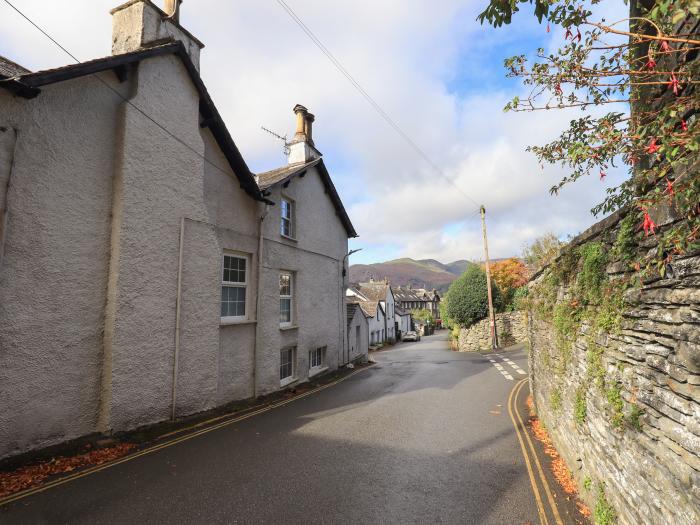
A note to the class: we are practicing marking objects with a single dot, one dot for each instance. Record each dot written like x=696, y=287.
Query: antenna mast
x=278, y=137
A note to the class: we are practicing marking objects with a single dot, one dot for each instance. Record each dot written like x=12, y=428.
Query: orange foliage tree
x=509, y=275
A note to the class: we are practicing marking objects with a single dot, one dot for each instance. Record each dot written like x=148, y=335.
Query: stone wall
x=619, y=393
x=510, y=327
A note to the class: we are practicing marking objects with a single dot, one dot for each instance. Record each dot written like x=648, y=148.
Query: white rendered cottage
x=143, y=271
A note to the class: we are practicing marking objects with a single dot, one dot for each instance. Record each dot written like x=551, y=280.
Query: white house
x=403, y=321
x=358, y=333
x=380, y=291
x=172, y=280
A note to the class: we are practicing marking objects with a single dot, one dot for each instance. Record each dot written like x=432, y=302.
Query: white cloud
x=258, y=64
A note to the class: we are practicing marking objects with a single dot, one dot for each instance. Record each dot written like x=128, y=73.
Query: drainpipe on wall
x=4, y=206
x=257, y=301
x=178, y=307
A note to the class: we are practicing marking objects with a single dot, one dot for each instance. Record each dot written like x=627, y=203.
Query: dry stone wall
x=510, y=327
x=617, y=382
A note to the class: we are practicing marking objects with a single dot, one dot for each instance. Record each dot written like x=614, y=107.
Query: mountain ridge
x=421, y=273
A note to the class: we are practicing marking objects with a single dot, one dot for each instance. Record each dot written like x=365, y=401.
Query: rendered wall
x=622, y=405
x=53, y=277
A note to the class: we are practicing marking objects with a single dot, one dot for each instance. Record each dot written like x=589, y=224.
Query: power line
x=124, y=99
x=339, y=66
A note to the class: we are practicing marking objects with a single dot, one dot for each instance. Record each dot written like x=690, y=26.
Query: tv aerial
x=278, y=137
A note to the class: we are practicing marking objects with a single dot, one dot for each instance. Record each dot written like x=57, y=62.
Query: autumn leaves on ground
x=559, y=469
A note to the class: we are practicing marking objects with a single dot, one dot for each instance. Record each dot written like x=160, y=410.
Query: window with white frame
x=287, y=218
x=286, y=298
x=234, y=282
x=287, y=365
x=317, y=358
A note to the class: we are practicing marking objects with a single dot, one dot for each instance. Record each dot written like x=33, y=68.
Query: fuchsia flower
x=651, y=63
x=652, y=147
x=603, y=175
x=669, y=188
x=648, y=224
x=673, y=84
x=578, y=35
x=557, y=89
x=684, y=125
x=665, y=47
x=568, y=34
x=548, y=29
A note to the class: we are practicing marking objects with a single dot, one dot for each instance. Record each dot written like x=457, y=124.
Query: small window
x=286, y=296
x=233, y=287
x=287, y=358
x=287, y=218
x=317, y=358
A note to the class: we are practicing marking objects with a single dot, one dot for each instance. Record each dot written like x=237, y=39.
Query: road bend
x=423, y=436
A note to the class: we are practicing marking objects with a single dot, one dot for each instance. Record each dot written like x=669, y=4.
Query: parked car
x=411, y=336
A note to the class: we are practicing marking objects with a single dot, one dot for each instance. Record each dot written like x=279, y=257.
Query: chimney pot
x=172, y=9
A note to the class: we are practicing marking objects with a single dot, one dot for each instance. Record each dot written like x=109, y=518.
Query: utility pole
x=492, y=317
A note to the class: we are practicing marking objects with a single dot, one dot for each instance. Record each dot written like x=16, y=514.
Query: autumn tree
x=635, y=81
x=542, y=251
x=509, y=275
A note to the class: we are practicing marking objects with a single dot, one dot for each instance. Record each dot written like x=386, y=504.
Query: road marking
x=543, y=479
x=500, y=367
x=93, y=470
x=533, y=481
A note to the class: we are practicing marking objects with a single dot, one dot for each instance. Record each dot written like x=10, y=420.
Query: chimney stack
x=302, y=148
x=139, y=24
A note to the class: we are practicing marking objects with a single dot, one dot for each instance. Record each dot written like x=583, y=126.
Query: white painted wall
x=358, y=346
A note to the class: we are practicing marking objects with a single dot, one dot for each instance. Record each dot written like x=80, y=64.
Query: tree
x=647, y=76
x=423, y=315
x=467, y=298
x=542, y=251
x=509, y=275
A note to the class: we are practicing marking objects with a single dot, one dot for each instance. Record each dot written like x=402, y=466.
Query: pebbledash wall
x=511, y=328
x=622, y=406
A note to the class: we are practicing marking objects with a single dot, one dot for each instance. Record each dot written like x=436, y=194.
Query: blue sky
x=431, y=66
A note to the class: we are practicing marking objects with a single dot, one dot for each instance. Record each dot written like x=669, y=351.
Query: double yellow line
x=210, y=425
x=530, y=455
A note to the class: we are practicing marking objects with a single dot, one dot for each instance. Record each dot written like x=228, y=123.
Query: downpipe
x=178, y=307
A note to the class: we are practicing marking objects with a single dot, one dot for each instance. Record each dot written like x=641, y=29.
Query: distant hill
x=426, y=273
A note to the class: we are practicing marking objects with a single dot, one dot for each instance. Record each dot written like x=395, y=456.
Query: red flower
x=665, y=47
x=603, y=175
x=568, y=34
x=652, y=147
x=557, y=89
x=673, y=84
x=684, y=125
x=548, y=29
x=578, y=35
x=651, y=63
x=648, y=225
x=669, y=188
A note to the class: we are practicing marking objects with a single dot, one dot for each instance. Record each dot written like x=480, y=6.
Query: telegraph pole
x=492, y=317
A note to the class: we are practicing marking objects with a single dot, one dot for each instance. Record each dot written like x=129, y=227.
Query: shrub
x=592, y=275
x=604, y=513
x=467, y=298
x=580, y=410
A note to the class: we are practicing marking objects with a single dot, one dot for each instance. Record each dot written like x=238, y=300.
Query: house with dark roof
x=410, y=298
x=379, y=292
x=145, y=272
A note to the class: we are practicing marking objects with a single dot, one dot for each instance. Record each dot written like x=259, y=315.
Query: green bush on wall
x=467, y=298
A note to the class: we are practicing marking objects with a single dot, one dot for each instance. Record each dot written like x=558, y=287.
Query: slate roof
x=375, y=291
x=286, y=173
x=29, y=86
x=9, y=69
x=400, y=311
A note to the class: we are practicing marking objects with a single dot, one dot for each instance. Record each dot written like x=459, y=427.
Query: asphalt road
x=424, y=436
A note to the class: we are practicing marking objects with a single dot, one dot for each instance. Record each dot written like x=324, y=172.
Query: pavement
x=423, y=436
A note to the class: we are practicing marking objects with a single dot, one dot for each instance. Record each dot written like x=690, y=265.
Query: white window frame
x=235, y=284
x=290, y=219
x=317, y=360
x=289, y=297
x=284, y=381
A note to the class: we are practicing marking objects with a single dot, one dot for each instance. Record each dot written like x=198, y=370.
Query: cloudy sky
x=432, y=68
